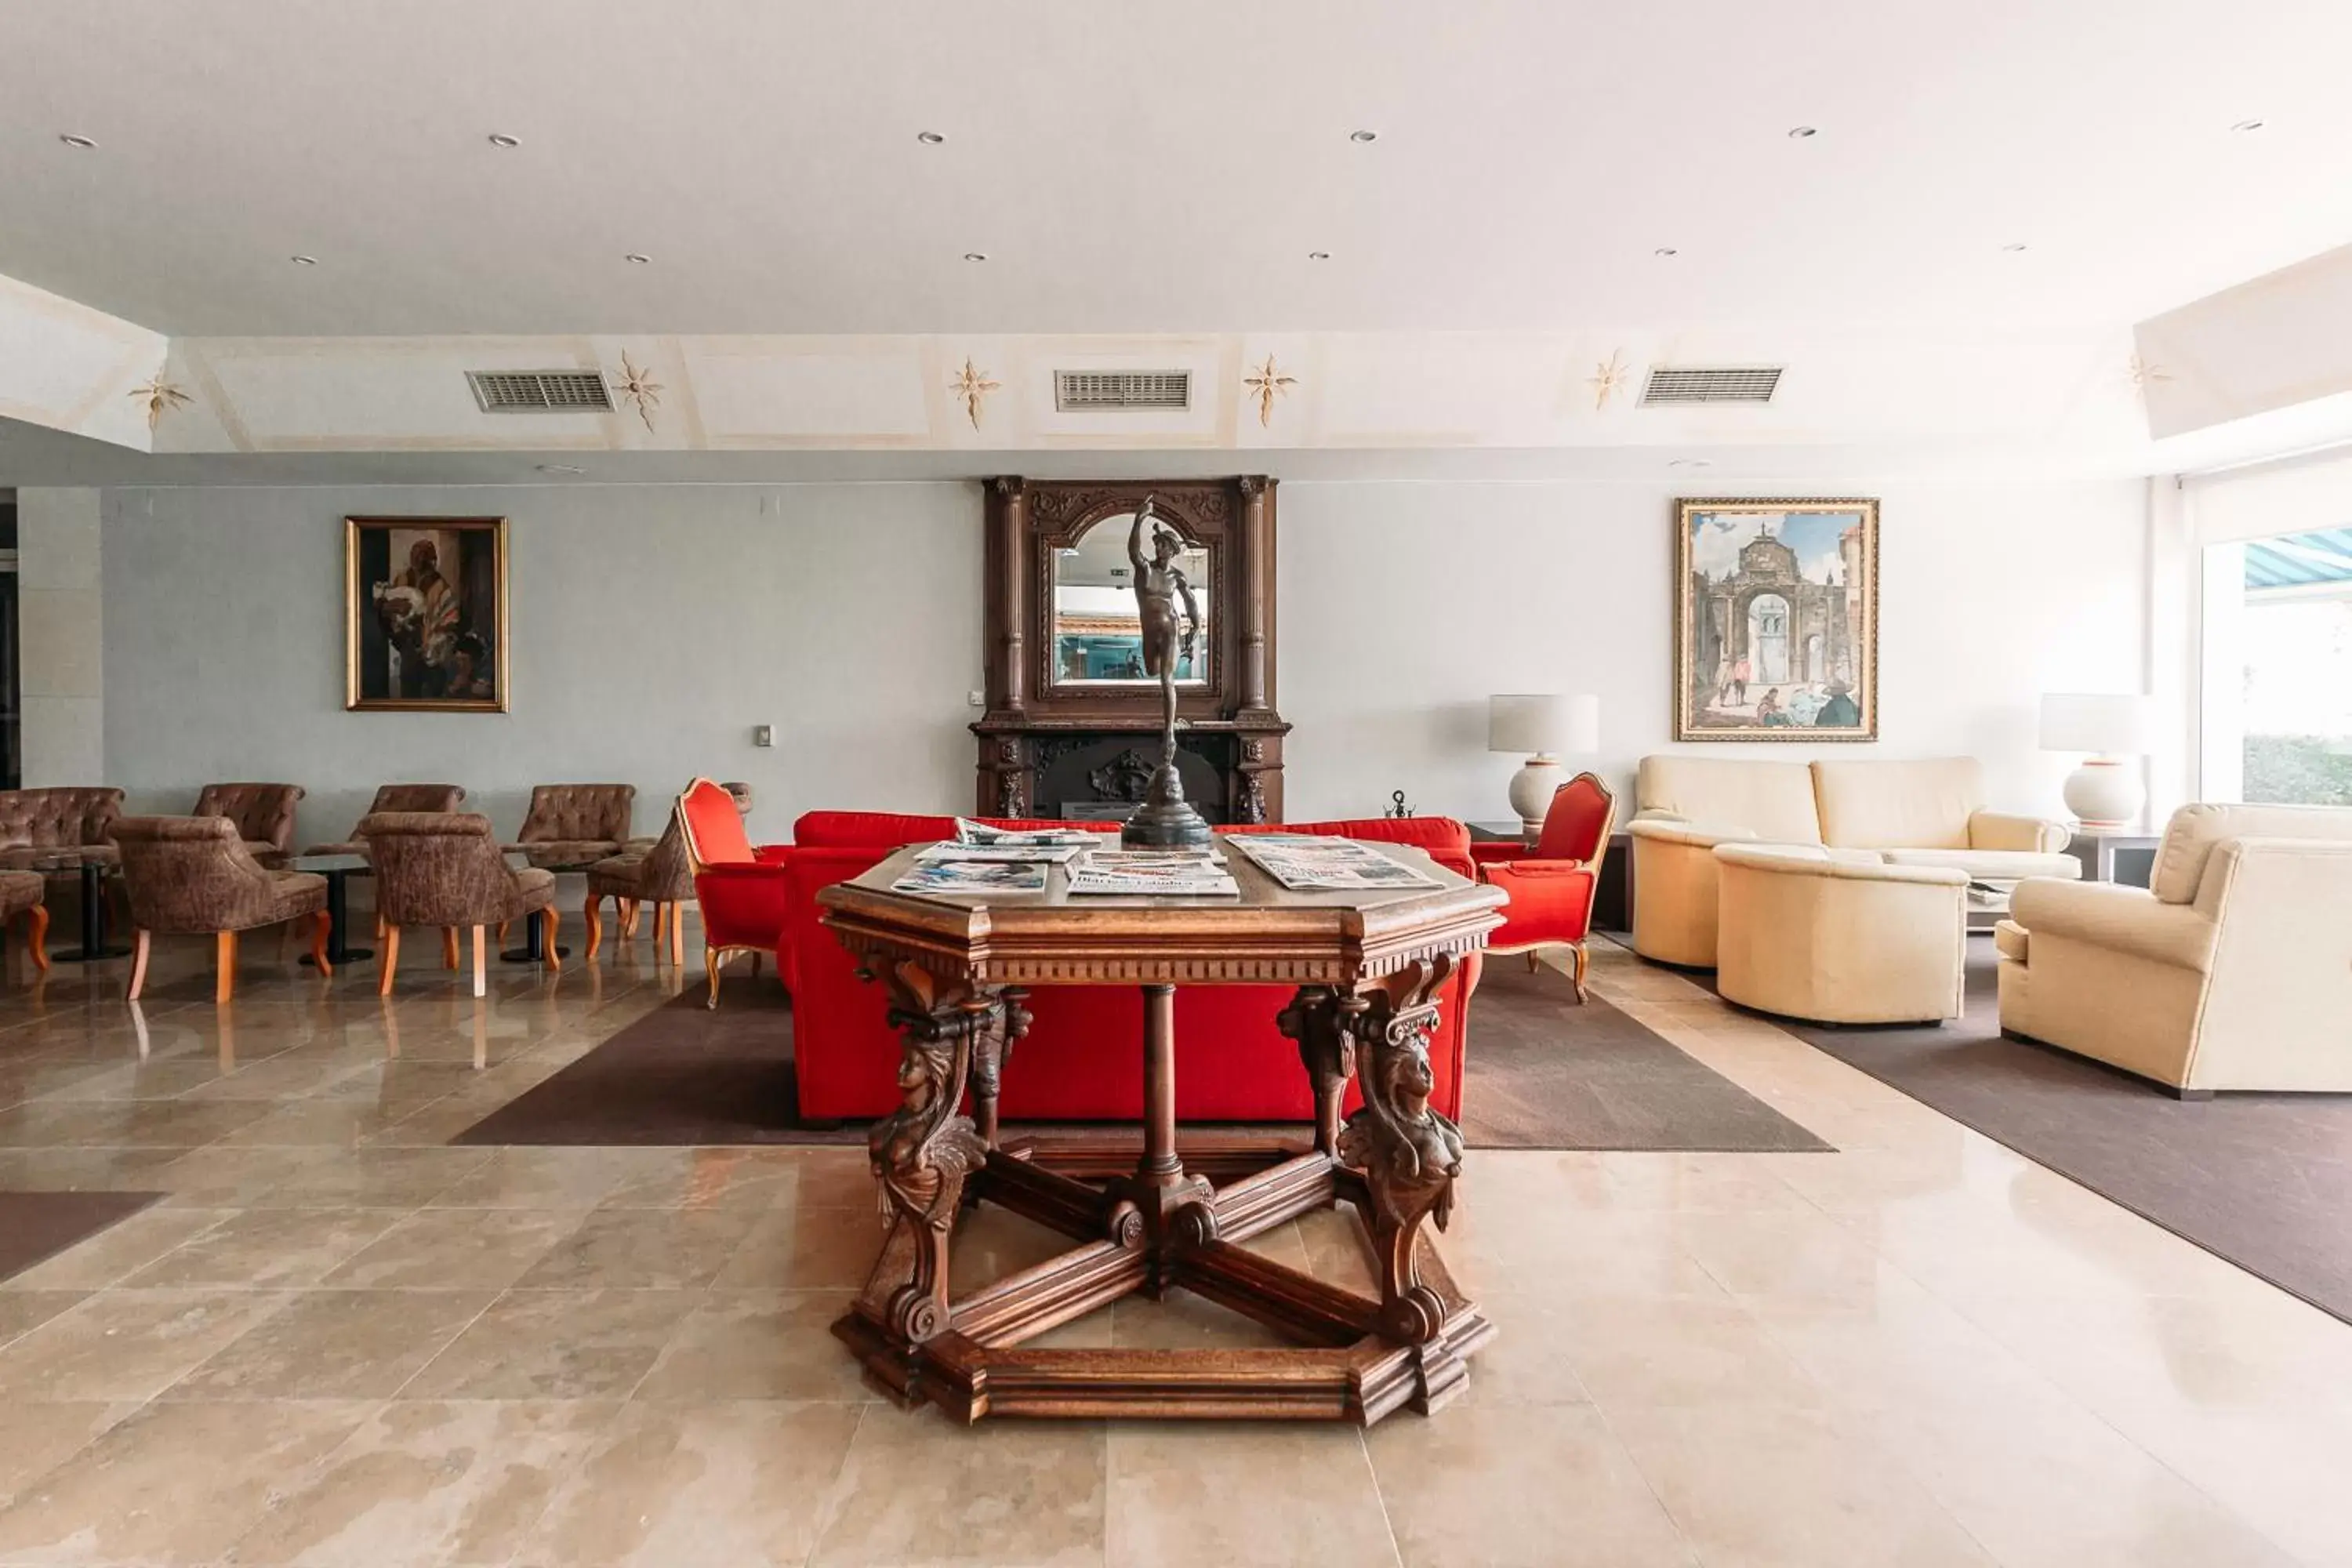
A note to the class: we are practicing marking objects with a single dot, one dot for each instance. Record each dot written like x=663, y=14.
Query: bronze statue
x=1165, y=819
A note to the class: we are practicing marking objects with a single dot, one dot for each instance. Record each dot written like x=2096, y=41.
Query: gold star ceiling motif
x=973, y=386
x=638, y=386
x=161, y=398
x=1266, y=383
x=1608, y=379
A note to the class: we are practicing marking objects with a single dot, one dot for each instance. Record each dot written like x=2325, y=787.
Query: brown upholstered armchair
x=662, y=875
x=396, y=797
x=577, y=822
x=193, y=876
x=33, y=820
x=264, y=814
x=442, y=869
x=20, y=894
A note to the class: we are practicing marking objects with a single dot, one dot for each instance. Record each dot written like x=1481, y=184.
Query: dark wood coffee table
x=1367, y=966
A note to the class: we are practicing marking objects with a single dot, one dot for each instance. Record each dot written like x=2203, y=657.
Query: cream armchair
x=1840, y=936
x=2232, y=970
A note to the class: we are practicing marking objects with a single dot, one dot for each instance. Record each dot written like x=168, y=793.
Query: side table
x=93, y=862
x=2126, y=855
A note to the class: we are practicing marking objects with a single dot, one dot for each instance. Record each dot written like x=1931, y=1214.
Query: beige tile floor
x=338, y=1340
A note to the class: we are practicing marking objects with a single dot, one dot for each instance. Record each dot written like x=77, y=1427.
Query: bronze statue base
x=1165, y=820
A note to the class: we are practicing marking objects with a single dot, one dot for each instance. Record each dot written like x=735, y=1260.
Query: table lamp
x=2112, y=729
x=1538, y=726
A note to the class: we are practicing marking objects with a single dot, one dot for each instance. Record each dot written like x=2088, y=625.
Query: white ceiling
x=1132, y=168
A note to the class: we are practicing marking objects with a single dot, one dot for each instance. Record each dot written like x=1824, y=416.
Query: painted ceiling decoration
x=1608, y=379
x=160, y=397
x=640, y=388
x=1267, y=383
x=973, y=386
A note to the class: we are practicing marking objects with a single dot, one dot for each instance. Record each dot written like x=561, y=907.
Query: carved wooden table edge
x=1362, y=1010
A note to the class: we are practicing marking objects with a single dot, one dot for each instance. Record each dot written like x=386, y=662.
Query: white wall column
x=63, y=647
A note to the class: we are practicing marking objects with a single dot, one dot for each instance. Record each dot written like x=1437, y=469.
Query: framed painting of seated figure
x=1776, y=620
x=425, y=607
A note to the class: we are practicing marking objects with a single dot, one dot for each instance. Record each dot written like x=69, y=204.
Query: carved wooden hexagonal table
x=1367, y=967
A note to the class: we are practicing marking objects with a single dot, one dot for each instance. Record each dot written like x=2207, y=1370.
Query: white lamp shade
x=2107, y=724
x=1526, y=723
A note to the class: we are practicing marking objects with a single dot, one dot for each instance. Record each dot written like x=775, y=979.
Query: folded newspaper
x=973, y=877
x=979, y=834
x=1157, y=872
x=1317, y=863
x=949, y=849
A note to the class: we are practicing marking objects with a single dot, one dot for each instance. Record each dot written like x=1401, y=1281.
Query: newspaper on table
x=1153, y=873
x=1317, y=863
x=965, y=877
x=948, y=849
x=970, y=834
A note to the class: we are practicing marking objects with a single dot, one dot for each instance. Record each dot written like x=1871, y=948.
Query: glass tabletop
x=72, y=859
x=324, y=863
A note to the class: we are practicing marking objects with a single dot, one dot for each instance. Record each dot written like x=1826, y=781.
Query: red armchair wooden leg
x=1578, y=949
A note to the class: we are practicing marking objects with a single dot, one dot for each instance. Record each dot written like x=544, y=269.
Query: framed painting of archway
x=1776, y=620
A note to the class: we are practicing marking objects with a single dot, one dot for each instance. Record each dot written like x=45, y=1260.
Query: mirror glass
x=1097, y=629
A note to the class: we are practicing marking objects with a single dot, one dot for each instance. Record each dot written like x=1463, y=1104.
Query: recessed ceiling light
x=1363, y=135
x=560, y=469
x=82, y=144
x=500, y=138
x=303, y=260
x=1319, y=255
x=1666, y=250
x=975, y=256
x=1686, y=464
x=2013, y=248
x=1800, y=132
x=2241, y=125
x=637, y=258
x=929, y=138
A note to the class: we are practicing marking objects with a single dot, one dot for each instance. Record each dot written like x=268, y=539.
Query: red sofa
x=1083, y=1059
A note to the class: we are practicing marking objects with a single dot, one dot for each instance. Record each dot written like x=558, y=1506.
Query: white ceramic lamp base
x=2104, y=792
x=1532, y=787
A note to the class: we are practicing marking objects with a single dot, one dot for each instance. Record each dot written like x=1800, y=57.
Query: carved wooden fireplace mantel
x=1058, y=734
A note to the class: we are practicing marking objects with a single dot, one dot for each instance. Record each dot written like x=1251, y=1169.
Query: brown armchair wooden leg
x=482, y=967
x=224, y=966
x=629, y=907
x=593, y=915
x=322, y=925
x=389, y=965
x=676, y=935
x=554, y=958
x=449, y=949
x=661, y=929
x=138, y=963
x=37, y=936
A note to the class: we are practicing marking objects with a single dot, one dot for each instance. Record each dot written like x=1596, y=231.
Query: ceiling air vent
x=1736, y=384
x=538, y=391
x=1079, y=391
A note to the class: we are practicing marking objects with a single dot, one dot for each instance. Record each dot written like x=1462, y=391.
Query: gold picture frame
x=1776, y=624
x=424, y=614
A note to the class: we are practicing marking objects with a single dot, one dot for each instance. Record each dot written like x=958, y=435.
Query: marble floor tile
x=557, y=1344
x=128, y=1344
x=266, y=1247
x=374, y=1178
x=335, y=1344
x=120, y=1251
x=1221, y=1495
x=793, y=1249
x=645, y=1249
x=1525, y=1488
x=36, y=1439
x=913, y=1489
x=718, y=1485
x=457, y=1249
x=758, y=1344
x=22, y=1311
x=460, y=1485
x=172, y=1485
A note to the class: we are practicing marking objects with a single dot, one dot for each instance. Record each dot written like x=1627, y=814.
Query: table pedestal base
x=1156, y=1222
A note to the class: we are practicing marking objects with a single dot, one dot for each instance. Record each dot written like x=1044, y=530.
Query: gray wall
x=655, y=625
x=652, y=628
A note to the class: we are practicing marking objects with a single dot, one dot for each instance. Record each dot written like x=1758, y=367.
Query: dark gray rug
x=35, y=1225
x=2263, y=1180
x=1544, y=1073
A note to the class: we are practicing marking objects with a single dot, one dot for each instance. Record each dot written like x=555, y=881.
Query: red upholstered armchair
x=1552, y=885
x=739, y=887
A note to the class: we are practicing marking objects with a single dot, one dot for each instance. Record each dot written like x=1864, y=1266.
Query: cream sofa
x=1840, y=936
x=2231, y=970
x=1924, y=813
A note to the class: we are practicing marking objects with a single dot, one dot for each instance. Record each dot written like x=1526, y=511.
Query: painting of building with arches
x=1776, y=623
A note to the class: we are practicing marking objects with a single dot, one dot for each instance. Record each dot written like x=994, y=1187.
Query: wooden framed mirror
x=1067, y=700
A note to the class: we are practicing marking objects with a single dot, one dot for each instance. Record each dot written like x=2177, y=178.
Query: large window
x=2278, y=662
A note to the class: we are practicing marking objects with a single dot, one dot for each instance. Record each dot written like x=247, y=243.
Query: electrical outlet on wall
x=975, y=699
x=763, y=735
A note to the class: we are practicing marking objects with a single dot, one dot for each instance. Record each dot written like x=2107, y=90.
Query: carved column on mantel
x=1257, y=591
x=1011, y=553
